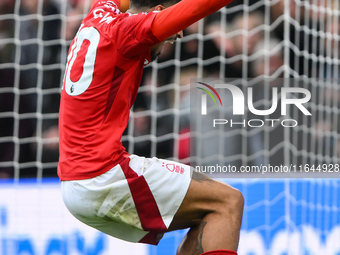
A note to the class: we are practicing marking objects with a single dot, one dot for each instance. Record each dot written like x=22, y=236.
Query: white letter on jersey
x=98, y=13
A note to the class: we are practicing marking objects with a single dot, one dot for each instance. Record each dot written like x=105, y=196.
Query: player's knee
x=233, y=201
x=238, y=200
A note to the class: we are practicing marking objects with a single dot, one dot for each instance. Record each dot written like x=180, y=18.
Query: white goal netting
x=248, y=40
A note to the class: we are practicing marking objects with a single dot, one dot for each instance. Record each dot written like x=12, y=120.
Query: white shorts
x=135, y=201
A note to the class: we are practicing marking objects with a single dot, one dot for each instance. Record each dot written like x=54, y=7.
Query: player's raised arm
x=181, y=15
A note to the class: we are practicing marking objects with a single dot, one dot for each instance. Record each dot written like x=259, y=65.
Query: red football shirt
x=104, y=70
x=103, y=73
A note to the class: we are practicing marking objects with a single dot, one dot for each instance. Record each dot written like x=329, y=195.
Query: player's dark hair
x=151, y=3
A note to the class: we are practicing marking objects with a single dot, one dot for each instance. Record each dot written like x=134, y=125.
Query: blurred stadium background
x=249, y=40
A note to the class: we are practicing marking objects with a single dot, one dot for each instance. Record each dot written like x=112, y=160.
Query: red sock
x=220, y=252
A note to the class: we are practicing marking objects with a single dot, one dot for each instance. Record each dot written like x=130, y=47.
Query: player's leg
x=213, y=211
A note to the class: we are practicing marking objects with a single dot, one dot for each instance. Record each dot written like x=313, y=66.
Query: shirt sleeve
x=135, y=34
x=181, y=15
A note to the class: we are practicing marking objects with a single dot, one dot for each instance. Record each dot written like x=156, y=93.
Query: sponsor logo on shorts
x=173, y=167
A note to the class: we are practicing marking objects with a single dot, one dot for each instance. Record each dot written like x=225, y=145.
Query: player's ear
x=158, y=8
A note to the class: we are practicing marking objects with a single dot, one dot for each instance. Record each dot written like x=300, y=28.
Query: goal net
x=294, y=43
x=261, y=48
